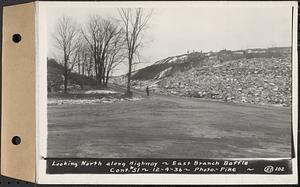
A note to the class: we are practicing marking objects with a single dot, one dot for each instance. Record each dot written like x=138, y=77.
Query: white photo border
x=41, y=109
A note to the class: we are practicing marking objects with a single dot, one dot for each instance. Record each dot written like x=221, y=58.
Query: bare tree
x=93, y=36
x=110, y=31
x=135, y=22
x=100, y=34
x=67, y=42
x=82, y=61
x=90, y=65
x=115, y=54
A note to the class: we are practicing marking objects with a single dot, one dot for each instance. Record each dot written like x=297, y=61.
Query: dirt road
x=168, y=127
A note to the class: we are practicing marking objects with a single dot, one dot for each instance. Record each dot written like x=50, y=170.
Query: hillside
x=256, y=76
x=170, y=65
x=256, y=81
x=55, y=78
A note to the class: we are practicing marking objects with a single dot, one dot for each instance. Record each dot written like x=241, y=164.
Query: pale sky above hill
x=176, y=29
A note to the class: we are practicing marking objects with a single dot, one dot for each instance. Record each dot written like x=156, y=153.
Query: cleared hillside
x=180, y=63
x=256, y=81
x=168, y=66
x=256, y=76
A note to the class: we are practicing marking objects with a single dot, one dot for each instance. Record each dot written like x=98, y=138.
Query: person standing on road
x=147, y=90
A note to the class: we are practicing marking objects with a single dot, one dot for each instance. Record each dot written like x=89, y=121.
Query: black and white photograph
x=200, y=81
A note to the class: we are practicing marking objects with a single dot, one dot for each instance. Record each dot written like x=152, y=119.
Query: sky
x=176, y=29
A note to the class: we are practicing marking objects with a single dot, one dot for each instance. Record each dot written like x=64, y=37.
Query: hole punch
x=16, y=38
x=16, y=140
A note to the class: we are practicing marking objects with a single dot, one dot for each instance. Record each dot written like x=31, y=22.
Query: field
x=168, y=127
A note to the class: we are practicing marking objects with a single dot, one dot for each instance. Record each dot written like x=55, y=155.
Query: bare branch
x=135, y=23
x=67, y=40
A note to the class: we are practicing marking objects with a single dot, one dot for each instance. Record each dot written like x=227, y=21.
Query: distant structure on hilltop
x=272, y=52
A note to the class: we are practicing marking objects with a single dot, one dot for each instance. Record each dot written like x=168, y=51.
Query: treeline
x=96, y=48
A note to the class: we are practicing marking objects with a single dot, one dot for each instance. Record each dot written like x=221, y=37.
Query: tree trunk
x=129, y=93
x=66, y=82
x=83, y=66
x=107, y=77
x=65, y=73
x=96, y=74
x=79, y=68
x=104, y=77
x=89, y=69
x=100, y=75
x=128, y=80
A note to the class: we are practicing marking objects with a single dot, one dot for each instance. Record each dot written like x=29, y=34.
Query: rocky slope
x=258, y=79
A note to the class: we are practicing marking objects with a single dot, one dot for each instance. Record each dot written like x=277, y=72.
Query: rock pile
x=256, y=81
